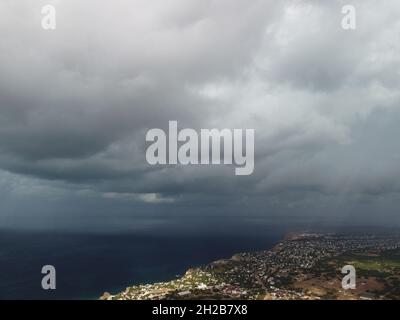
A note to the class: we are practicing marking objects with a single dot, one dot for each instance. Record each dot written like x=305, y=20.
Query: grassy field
x=378, y=275
x=387, y=262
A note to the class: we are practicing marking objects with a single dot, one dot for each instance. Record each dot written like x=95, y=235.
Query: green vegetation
x=383, y=265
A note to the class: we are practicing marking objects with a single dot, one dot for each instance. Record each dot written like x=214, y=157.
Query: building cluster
x=260, y=275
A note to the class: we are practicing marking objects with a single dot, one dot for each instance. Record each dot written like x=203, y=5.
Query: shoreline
x=301, y=266
x=286, y=237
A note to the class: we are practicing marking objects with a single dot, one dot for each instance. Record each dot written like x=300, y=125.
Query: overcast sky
x=76, y=102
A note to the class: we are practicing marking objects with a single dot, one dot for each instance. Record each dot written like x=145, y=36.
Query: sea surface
x=87, y=265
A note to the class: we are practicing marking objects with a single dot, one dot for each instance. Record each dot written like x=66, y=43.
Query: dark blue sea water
x=89, y=264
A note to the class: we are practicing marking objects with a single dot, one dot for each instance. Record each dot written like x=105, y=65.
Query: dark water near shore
x=89, y=264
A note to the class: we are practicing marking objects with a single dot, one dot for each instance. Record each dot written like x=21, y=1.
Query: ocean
x=88, y=264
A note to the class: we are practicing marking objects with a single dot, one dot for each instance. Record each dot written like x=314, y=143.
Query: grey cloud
x=75, y=103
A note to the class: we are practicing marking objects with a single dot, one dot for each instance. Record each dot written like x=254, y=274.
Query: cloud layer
x=75, y=104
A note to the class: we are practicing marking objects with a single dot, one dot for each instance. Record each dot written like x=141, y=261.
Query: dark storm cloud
x=66, y=100
x=75, y=103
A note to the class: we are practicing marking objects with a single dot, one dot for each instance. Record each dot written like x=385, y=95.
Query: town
x=303, y=266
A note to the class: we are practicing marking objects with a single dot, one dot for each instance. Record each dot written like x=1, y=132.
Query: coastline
x=302, y=266
x=286, y=237
x=111, y=293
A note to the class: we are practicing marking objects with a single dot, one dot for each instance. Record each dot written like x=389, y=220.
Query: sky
x=76, y=103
